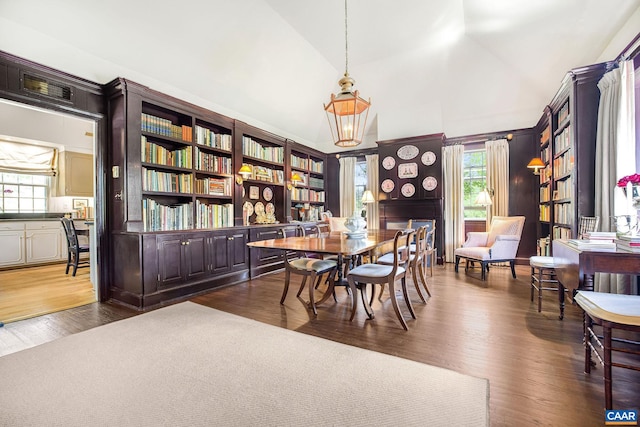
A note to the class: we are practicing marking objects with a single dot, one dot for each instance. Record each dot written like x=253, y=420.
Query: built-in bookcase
x=567, y=132
x=307, y=196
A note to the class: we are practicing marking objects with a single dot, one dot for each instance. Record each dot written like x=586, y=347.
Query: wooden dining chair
x=74, y=248
x=416, y=263
x=297, y=262
x=381, y=274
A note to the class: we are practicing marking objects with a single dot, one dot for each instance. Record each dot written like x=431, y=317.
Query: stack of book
x=628, y=243
x=609, y=236
x=593, y=245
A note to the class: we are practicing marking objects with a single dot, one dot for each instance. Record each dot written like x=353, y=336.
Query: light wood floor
x=491, y=329
x=34, y=291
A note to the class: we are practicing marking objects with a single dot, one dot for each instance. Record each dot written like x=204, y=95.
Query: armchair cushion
x=502, y=225
x=336, y=223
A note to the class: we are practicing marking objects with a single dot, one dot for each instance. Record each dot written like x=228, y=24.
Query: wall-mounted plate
x=387, y=185
x=429, y=183
x=428, y=158
x=388, y=162
x=408, y=152
x=408, y=190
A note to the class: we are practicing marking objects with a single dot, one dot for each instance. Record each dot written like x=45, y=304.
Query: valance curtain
x=373, y=215
x=615, y=158
x=30, y=159
x=347, y=186
x=452, y=169
x=498, y=177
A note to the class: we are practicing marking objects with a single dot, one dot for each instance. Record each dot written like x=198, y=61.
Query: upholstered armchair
x=499, y=244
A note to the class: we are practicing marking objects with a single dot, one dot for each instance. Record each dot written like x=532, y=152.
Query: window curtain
x=347, y=186
x=373, y=214
x=452, y=168
x=498, y=177
x=615, y=158
x=28, y=159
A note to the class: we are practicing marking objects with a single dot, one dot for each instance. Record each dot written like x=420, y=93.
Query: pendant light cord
x=346, y=42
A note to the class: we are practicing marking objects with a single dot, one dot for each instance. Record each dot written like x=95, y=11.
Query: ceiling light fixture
x=347, y=112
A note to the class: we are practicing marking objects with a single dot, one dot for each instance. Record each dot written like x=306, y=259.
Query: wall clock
x=407, y=170
x=387, y=186
x=429, y=183
x=388, y=162
x=408, y=152
x=428, y=158
x=408, y=190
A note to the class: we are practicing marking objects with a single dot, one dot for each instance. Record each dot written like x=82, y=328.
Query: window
x=475, y=180
x=360, y=183
x=23, y=193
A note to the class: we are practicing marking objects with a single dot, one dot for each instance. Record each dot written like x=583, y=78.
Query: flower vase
x=354, y=223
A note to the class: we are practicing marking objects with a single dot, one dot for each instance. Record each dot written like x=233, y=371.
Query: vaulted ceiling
x=456, y=66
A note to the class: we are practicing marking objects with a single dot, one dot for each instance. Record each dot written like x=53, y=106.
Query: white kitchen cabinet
x=76, y=176
x=42, y=241
x=12, y=244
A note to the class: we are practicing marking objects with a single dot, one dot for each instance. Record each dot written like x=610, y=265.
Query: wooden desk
x=575, y=268
x=335, y=243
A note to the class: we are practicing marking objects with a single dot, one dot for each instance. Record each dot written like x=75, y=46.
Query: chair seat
x=387, y=259
x=474, y=252
x=542, y=262
x=374, y=270
x=313, y=264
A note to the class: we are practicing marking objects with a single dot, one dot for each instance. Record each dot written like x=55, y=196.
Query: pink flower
x=633, y=179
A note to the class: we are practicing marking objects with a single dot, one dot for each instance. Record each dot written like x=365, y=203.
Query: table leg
x=608, y=398
x=561, y=299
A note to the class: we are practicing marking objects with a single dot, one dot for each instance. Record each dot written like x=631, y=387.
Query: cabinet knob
x=230, y=238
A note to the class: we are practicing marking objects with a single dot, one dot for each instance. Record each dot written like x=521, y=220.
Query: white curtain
x=615, y=158
x=452, y=168
x=373, y=215
x=498, y=177
x=347, y=186
x=30, y=159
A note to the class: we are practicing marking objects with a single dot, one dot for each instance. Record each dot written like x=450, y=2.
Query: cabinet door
x=76, y=174
x=220, y=262
x=170, y=272
x=195, y=255
x=12, y=244
x=238, y=250
x=43, y=245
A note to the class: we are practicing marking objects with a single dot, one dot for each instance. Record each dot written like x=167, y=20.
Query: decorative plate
x=387, y=185
x=408, y=152
x=267, y=193
x=408, y=190
x=429, y=183
x=388, y=162
x=248, y=207
x=428, y=158
x=259, y=207
x=270, y=208
x=407, y=170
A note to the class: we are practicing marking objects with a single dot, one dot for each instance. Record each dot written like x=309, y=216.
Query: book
x=596, y=245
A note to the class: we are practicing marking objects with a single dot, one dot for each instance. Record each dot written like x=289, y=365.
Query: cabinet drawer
x=11, y=225
x=43, y=225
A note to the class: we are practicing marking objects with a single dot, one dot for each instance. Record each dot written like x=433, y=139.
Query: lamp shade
x=295, y=177
x=367, y=197
x=536, y=164
x=484, y=198
x=245, y=171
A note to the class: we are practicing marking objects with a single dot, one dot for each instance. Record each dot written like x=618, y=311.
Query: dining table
x=347, y=247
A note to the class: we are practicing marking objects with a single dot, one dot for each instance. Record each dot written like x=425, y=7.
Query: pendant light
x=347, y=112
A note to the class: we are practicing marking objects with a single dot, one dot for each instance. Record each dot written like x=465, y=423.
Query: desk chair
x=609, y=311
x=74, y=248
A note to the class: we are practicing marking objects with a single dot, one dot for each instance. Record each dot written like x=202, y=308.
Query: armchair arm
x=475, y=239
x=505, y=246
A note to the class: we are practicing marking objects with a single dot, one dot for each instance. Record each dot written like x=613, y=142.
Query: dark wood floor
x=534, y=361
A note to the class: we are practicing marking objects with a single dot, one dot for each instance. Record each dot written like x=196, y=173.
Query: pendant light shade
x=347, y=112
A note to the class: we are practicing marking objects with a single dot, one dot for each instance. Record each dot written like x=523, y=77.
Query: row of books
x=262, y=173
x=543, y=247
x=214, y=215
x=166, y=182
x=212, y=163
x=544, y=136
x=545, y=212
x=154, y=153
x=563, y=113
x=214, y=186
x=563, y=165
x=317, y=166
x=303, y=194
x=564, y=189
x=160, y=126
x=561, y=233
x=316, y=182
x=563, y=140
x=255, y=149
x=563, y=213
x=159, y=217
x=298, y=162
x=209, y=138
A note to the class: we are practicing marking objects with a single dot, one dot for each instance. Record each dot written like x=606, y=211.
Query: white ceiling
x=456, y=66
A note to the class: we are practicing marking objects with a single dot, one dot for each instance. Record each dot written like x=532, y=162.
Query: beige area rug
x=190, y=365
